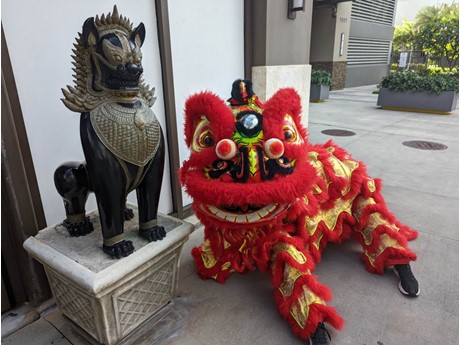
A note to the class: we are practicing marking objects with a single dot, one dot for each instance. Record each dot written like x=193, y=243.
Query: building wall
x=207, y=42
x=288, y=41
x=365, y=75
x=327, y=28
x=342, y=25
x=369, y=44
x=278, y=40
x=323, y=35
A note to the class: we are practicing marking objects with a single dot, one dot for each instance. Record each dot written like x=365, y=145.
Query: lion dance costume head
x=270, y=200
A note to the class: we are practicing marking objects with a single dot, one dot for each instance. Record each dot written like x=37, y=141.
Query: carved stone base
x=111, y=300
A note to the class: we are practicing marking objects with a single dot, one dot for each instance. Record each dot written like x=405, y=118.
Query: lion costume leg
x=300, y=298
x=382, y=236
x=209, y=265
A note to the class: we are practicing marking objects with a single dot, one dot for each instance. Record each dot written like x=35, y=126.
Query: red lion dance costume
x=271, y=200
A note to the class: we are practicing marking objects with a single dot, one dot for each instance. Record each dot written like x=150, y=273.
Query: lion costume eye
x=206, y=139
x=203, y=137
x=290, y=132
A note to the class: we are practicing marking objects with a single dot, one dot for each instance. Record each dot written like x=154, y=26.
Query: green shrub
x=423, y=69
x=415, y=82
x=321, y=77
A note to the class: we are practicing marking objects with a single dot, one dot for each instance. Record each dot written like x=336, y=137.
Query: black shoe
x=408, y=285
x=321, y=336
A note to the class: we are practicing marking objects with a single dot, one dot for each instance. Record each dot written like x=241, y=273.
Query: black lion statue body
x=121, y=137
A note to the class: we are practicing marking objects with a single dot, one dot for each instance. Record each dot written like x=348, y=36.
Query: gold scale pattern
x=132, y=135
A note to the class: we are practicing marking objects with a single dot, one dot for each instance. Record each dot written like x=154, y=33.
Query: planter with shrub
x=412, y=91
x=320, y=83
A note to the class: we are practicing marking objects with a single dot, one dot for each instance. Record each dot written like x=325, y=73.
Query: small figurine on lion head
x=270, y=200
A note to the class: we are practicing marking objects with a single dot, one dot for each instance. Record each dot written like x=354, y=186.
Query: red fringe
x=293, y=186
x=284, y=101
x=220, y=116
x=209, y=273
x=405, y=233
x=284, y=258
x=318, y=313
x=389, y=257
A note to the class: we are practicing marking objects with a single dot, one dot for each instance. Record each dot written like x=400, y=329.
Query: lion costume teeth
x=261, y=215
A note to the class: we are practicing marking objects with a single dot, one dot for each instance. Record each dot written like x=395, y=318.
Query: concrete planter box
x=111, y=301
x=318, y=93
x=426, y=102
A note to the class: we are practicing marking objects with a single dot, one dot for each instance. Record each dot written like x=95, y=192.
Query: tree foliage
x=404, y=37
x=435, y=31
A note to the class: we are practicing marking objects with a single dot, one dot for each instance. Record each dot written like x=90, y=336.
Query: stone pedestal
x=111, y=300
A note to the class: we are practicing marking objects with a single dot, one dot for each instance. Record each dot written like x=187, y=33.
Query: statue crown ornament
x=121, y=137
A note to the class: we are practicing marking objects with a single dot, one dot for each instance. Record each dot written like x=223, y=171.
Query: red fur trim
x=389, y=257
x=405, y=233
x=323, y=313
x=317, y=313
x=315, y=253
x=311, y=281
x=380, y=230
x=338, y=184
x=283, y=259
x=286, y=303
x=285, y=101
x=216, y=111
x=296, y=241
x=283, y=189
x=409, y=233
x=341, y=231
x=209, y=273
x=204, y=158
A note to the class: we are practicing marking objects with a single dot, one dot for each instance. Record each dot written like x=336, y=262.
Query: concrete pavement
x=421, y=188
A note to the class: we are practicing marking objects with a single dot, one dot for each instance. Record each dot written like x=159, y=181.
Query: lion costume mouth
x=244, y=215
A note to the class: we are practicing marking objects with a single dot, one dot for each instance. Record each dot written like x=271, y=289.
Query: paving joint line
x=58, y=330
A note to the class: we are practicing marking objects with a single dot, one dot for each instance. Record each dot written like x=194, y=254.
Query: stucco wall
x=323, y=35
x=365, y=75
x=327, y=30
x=277, y=39
x=288, y=41
x=207, y=42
